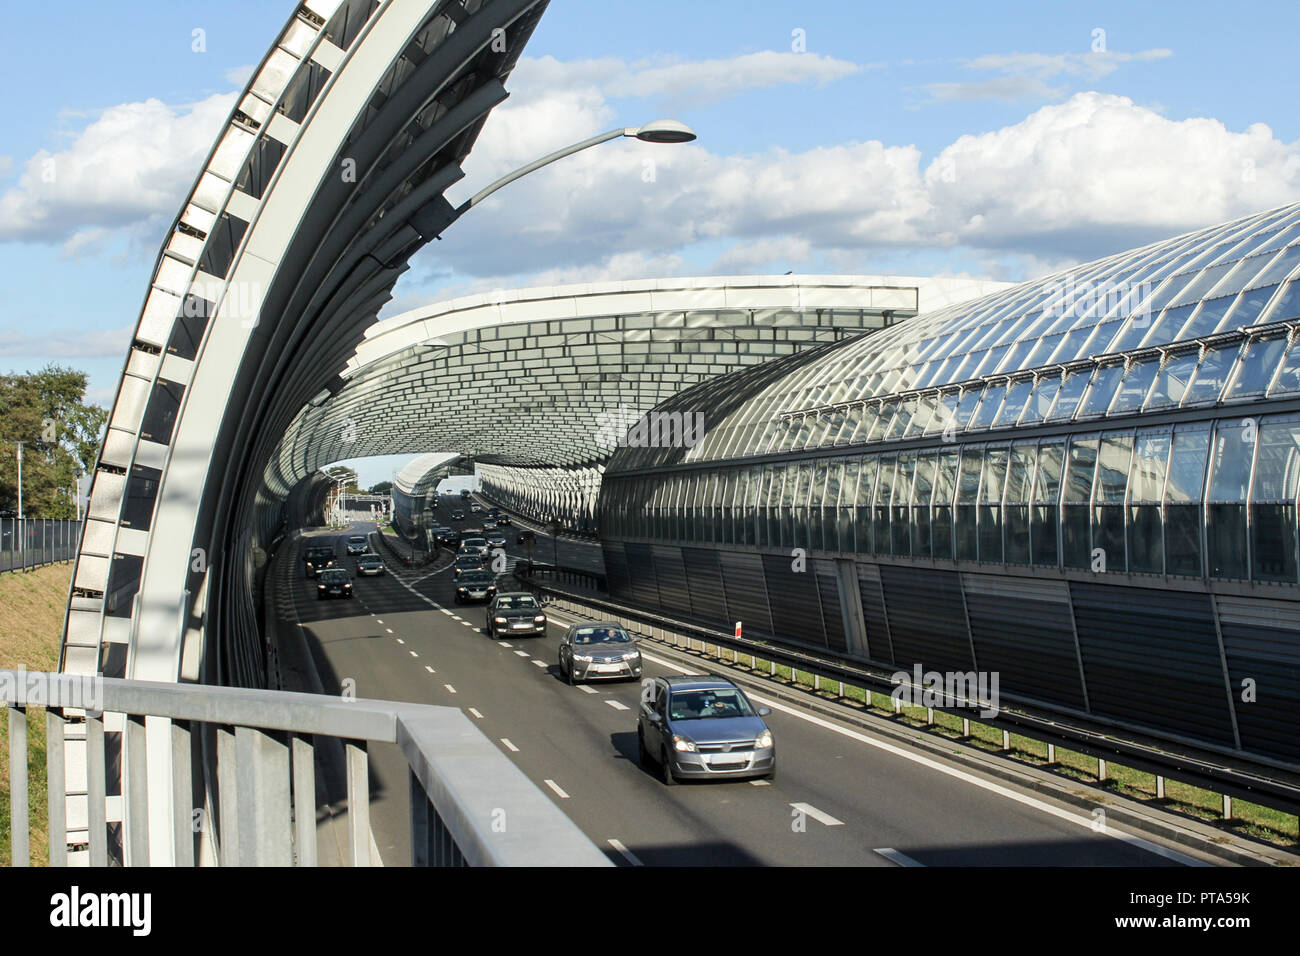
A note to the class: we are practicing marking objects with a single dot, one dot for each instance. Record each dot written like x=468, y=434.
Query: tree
x=383, y=488
x=60, y=432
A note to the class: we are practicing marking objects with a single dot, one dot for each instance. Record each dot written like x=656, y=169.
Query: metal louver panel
x=1152, y=658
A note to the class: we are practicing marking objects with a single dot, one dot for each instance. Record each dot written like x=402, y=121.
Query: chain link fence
x=31, y=542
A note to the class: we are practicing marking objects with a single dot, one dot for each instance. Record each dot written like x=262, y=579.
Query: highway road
x=841, y=797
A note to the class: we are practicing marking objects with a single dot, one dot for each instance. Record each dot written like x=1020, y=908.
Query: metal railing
x=27, y=543
x=255, y=751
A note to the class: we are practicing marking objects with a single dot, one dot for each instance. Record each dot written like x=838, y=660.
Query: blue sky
x=993, y=139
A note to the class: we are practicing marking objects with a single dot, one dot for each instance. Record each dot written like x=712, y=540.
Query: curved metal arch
x=183, y=437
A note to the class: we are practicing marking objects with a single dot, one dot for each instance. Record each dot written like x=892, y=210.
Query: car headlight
x=764, y=740
x=320, y=587
x=682, y=743
x=631, y=655
x=498, y=620
x=585, y=658
x=540, y=619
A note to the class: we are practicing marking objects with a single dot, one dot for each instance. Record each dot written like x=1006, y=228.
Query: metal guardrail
x=469, y=804
x=1272, y=787
x=27, y=543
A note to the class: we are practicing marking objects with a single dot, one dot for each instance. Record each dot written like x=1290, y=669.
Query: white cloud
x=1064, y=184
x=1027, y=75
x=680, y=82
x=66, y=343
x=134, y=160
x=238, y=76
x=6, y=164
x=1099, y=169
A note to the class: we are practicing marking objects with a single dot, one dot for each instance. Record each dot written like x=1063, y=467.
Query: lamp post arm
x=482, y=194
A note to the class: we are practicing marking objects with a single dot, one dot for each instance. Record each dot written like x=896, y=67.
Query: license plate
x=607, y=668
x=522, y=627
x=728, y=760
x=477, y=593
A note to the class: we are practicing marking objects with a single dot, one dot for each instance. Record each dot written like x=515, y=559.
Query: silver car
x=602, y=651
x=702, y=726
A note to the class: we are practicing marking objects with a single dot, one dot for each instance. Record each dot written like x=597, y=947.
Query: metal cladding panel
x=926, y=621
x=616, y=577
x=828, y=585
x=879, y=646
x=796, y=608
x=670, y=572
x=743, y=590
x=1261, y=640
x=1152, y=658
x=704, y=580
x=1023, y=630
x=641, y=569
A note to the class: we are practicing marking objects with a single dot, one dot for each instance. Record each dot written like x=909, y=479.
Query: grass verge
x=32, y=605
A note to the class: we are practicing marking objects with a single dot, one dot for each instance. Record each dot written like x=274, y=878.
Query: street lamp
x=660, y=131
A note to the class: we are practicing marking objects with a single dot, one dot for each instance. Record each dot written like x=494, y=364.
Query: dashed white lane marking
x=379, y=620
x=821, y=816
x=617, y=705
x=627, y=854
x=445, y=611
x=430, y=669
x=541, y=664
x=1078, y=819
x=413, y=654
x=389, y=630
x=509, y=746
x=587, y=689
x=522, y=653
x=760, y=783
x=505, y=644
x=400, y=641
x=556, y=787
x=893, y=856
x=450, y=689
x=476, y=713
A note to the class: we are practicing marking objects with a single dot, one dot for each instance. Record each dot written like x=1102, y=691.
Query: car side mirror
x=764, y=711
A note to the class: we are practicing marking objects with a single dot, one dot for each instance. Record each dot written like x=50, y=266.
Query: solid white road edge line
x=1078, y=819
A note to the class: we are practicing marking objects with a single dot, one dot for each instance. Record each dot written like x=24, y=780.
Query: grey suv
x=699, y=725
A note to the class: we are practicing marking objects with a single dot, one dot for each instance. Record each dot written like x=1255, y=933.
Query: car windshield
x=601, y=635
x=472, y=542
x=708, y=704
x=481, y=577
x=335, y=577
x=356, y=539
x=513, y=602
x=368, y=559
x=319, y=554
x=468, y=561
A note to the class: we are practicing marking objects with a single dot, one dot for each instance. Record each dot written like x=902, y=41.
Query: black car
x=358, y=544
x=317, y=560
x=502, y=518
x=516, y=612
x=448, y=538
x=701, y=725
x=370, y=564
x=476, y=586
x=466, y=564
x=458, y=516
x=334, y=582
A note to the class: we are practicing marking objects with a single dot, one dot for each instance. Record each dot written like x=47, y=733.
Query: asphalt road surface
x=841, y=797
